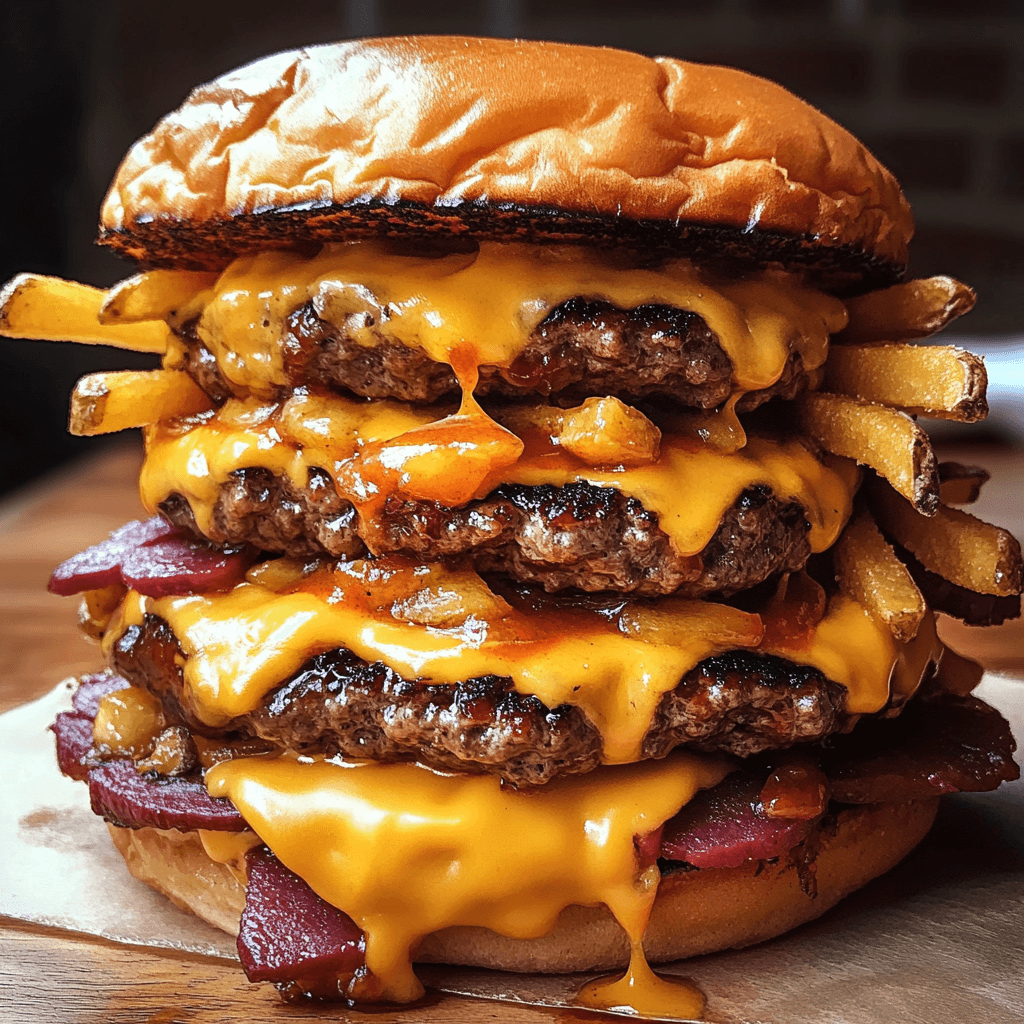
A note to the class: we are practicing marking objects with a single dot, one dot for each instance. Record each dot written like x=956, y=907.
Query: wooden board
x=51, y=976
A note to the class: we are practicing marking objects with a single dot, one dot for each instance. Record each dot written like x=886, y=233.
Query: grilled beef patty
x=740, y=703
x=581, y=349
x=577, y=536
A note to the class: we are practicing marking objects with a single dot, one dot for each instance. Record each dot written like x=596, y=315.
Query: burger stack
x=545, y=550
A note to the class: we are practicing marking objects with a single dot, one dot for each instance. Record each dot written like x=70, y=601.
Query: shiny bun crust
x=504, y=139
x=696, y=912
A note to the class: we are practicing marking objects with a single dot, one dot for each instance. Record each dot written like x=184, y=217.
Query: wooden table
x=52, y=976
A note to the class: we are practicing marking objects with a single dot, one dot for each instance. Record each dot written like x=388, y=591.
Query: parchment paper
x=941, y=938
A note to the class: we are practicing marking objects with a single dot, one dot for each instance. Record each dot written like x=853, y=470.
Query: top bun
x=492, y=138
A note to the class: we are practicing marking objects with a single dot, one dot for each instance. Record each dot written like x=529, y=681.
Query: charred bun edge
x=212, y=244
x=696, y=912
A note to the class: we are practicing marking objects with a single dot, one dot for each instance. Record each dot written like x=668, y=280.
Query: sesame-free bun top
x=495, y=138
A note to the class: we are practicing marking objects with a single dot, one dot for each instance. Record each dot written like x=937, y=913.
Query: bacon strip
x=124, y=797
x=288, y=933
x=721, y=827
x=155, y=559
x=940, y=744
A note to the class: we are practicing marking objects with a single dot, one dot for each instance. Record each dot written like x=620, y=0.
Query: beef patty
x=740, y=703
x=581, y=349
x=576, y=536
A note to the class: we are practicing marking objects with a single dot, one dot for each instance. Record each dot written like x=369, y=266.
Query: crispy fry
x=869, y=571
x=958, y=674
x=607, y=432
x=914, y=309
x=888, y=441
x=939, y=381
x=956, y=546
x=34, y=306
x=674, y=621
x=959, y=484
x=154, y=295
x=103, y=403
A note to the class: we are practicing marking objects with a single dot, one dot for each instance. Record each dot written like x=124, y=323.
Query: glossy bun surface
x=506, y=139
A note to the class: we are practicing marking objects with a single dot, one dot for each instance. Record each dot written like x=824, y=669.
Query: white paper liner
x=941, y=938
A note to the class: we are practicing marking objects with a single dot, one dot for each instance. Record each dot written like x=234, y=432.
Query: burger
x=545, y=552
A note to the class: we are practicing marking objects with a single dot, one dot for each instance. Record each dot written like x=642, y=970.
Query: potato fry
x=959, y=484
x=914, y=309
x=103, y=403
x=939, y=381
x=958, y=674
x=154, y=295
x=890, y=442
x=34, y=306
x=869, y=571
x=675, y=621
x=607, y=432
x=954, y=545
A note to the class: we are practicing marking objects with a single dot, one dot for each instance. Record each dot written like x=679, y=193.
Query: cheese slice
x=240, y=645
x=488, y=302
x=373, y=449
x=405, y=851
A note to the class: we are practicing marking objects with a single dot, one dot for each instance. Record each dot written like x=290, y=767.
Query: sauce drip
x=640, y=991
x=449, y=461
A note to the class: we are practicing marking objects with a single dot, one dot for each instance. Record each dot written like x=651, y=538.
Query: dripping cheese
x=489, y=302
x=689, y=486
x=240, y=645
x=405, y=851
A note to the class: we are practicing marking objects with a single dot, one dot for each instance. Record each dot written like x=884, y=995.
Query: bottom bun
x=696, y=912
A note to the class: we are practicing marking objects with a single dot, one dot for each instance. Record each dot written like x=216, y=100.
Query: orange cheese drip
x=491, y=300
x=373, y=449
x=405, y=851
x=240, y=645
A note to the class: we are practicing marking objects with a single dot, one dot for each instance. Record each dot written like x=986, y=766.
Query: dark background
x=935, y=87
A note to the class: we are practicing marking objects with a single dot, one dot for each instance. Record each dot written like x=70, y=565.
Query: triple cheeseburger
x=545, y=551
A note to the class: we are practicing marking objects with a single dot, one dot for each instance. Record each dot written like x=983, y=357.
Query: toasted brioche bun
x=509, y=139
x=696, y=912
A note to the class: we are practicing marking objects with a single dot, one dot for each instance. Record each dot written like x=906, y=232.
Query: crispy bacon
x=155, y=559
x=288, y=933
x=943, y=743
x=724, y=826
x=124, y=797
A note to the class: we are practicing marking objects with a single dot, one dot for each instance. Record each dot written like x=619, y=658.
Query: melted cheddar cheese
x=489, y=302
x=373, y=449
x=240, y=645
x=405, y=851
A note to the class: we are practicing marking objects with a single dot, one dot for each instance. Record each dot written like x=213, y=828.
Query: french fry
x=890, y=442
x=940, y=381
x=674, y=621
x=153, y=295
x=958, y=674
x=953, y=544
x=869, y=571
x=959, y=484
x=34, y=306
x=103, y=403
x=914, y=309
